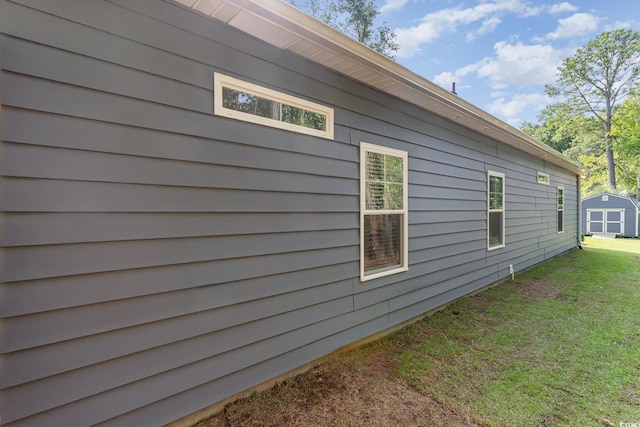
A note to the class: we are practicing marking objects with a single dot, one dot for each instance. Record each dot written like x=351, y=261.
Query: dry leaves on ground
x=335, y=393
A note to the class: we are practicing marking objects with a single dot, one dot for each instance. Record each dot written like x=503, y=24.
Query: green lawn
x=559, y=345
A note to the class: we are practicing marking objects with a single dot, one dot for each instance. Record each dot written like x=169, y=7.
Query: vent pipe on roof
x=453, y=88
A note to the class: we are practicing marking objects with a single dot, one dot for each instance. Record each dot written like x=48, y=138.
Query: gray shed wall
x=157, y=258
x=614, y=202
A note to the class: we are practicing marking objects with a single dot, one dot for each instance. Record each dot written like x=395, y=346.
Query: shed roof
x=286, y=27
x=633, y=202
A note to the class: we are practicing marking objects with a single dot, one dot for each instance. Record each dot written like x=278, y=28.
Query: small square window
x=543, y=178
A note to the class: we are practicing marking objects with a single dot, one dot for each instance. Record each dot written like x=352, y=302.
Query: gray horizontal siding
x=116, y=372
x=75, y=165
x=157, y=258
x=206, y=327
x=61, y=66
x=41, y=195
x=267, y=276
x=101, y=407
x=26, y=229
x=161, y=410
x=70, y=132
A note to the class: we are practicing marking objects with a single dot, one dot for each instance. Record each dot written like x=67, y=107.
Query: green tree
x=597, y=78
x=355, y=18
x=625, y=133
x=561, y=129
x=575, y=135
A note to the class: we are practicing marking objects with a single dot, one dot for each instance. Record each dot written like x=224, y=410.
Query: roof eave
x=286, y=27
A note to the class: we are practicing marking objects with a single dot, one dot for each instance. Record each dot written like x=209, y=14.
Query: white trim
x=545, y=176
x=605, y=212
x=222, y=81
x=621, y=211
x=560, y=187
x=404, y=265
x=589, y=221
x=491, y=173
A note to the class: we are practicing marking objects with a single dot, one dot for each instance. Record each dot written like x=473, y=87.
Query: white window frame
x=543, y=178
x=223, y=81
x=560, y=227
x=489, y=210
x=404, y=262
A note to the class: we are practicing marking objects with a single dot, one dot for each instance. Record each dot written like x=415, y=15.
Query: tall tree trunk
x=611, y=167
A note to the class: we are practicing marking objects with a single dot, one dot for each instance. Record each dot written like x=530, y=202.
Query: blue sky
x=500, y=53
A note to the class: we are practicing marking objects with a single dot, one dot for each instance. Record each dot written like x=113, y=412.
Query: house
x=610, y=214
x=201, y=196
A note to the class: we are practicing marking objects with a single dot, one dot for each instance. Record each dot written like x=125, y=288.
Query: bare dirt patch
x=335, y=393
x=479, y=303
x=540, y=289
x=572, y=255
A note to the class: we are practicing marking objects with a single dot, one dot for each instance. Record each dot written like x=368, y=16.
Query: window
x=560, y=209
x=543, y=178
x=383, y=211
x=495, y=217
x=241, y=100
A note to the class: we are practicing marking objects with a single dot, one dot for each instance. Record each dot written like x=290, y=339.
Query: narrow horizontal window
x=495, y=210
x=245, y=101
x=543, y=178
x=383, y=211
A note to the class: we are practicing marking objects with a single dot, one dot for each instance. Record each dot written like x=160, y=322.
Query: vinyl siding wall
x=157, y=258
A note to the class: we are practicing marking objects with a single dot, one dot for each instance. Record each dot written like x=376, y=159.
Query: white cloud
x=512, y=110
x=575, y=25
x=445, y=79
x=621, y=24
x=520, y=64
x=488, y=26
x=392, y=5
x=437, y=24
x=531, y=11
x=562, y=7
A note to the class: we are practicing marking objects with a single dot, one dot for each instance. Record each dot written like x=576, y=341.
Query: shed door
x=614, y=221
x=605, y=221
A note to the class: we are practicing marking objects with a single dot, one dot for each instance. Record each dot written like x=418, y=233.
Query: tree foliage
x=355, y=18
x=625, y=132
x=560, y=128
x=580, y=137
x=597, y=78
